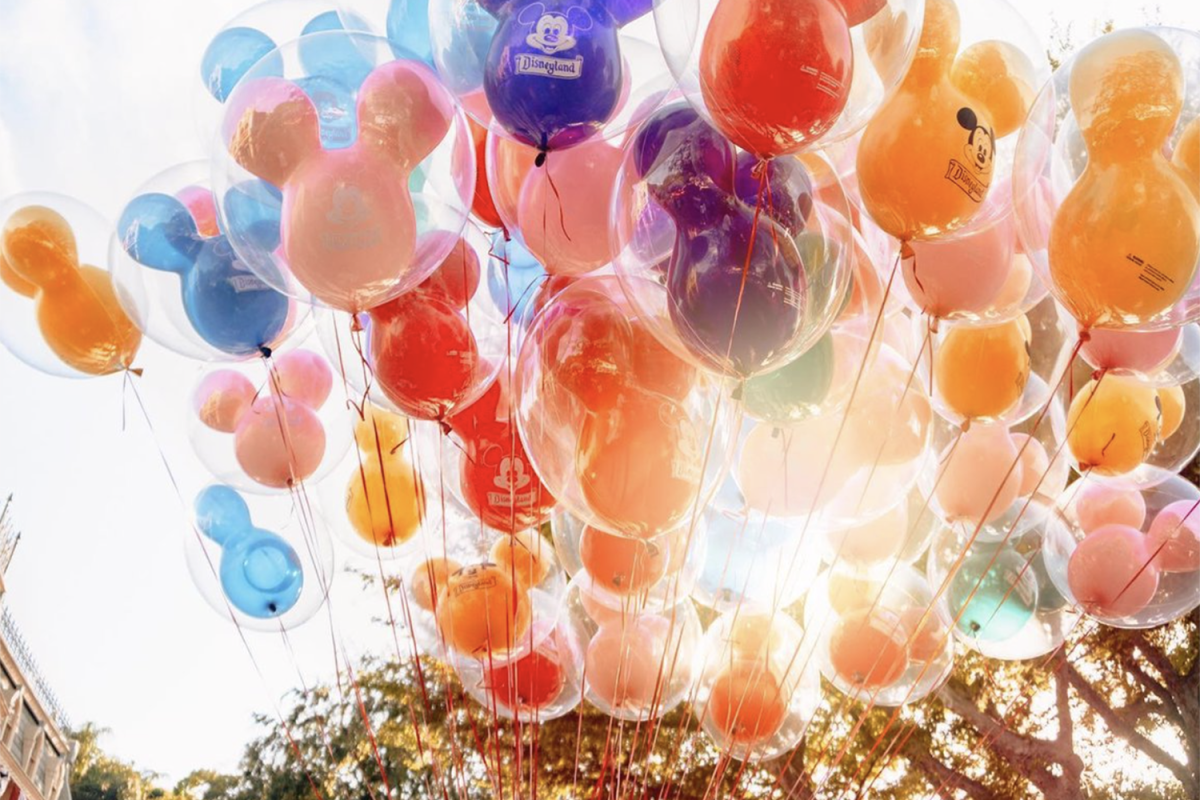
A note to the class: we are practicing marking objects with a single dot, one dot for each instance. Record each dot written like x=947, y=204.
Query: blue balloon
x=229, y=306
x=231, y=54
x=334, y=55
x=408, y=29
x=260, y=572
x=337, y=113
x=512, y=289
x=554, y=69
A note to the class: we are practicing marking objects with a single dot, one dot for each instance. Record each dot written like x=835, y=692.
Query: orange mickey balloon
x=77, y=308
x=776, y=76
x=869, y=649
x=523, y=555
x=481, y=610
x=1001, y=77
x=1187, y=154
x=380, y=431
x=621, y=565
x=747, y=703
x=428, y=579
x=1125, y=241
x=925, y=159
x=385, y=501
x=1113, y=424
x=981, y=372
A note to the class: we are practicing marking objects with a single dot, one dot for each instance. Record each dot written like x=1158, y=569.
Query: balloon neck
x=540, y=161
x=265, y=352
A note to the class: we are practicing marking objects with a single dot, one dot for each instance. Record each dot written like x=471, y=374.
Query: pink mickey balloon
x=976, y=483
x=1174, y=537
x=303, y=376
x=1110, y=572
x=1140, y=351
x=222, y=399
x=1098, y=504
x=962, y=275
x=279, y=442
x=1035, y=463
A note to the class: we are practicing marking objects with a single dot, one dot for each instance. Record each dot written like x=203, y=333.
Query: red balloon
x=859, y=11
x=530, y=683
x=584, y=350
x=457, y=278
x=776, y=75
x=482, y=204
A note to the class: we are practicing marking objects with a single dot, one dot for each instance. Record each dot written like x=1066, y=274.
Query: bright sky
x=96, y=96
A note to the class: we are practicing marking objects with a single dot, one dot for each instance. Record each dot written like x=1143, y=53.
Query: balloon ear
x=38, y=244
x=579, y=19
x=624, y=12
x=14, y=281
x=275, y=130
x=159, y=232
x=221, y=513
x=403, y=112
x=531, y=13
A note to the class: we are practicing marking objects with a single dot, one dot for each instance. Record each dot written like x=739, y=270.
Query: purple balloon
x=786, y=195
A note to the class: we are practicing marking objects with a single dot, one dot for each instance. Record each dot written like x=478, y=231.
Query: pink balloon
x=624, y=661
x=1174, y=537
x=222, y=399
x=303, y=376
x=1035, y=462
x=566, y=225
x=962, y=275
x=1098, y=505
x=1110, y=572
x=1142, y=351
x=203, y=208
x=973, y=482
x=280, y=442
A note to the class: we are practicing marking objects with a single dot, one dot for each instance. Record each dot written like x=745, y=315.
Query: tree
x=97, y=776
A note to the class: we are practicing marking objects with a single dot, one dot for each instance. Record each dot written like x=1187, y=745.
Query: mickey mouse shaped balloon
x=227, y=305
x=349, y=231
x=554, y=71
x=261, y=574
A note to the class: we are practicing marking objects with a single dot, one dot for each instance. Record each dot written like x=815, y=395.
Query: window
x=39, y=777
x=27, y=728
x=6, y=681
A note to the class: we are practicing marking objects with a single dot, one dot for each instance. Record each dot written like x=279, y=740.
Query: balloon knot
x=446, y=429
x=356, y=325
x=906, y=251
x=966, y=426
x=1085, y=336
x=265, y=351
x=739, y=391
x=541, y=159
x=138, y=371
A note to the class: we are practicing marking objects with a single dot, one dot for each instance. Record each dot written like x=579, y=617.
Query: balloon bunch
x=608, y=329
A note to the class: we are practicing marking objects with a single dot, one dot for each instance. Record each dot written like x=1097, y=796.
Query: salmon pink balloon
x=1140, y=351
x=1098, y=504
x=303, y=376
x=625, y=660
x=1174, y=537
x=1111, y=574
x=279, y=442
x=979, y=482
x=962, y=275
x=222, y=398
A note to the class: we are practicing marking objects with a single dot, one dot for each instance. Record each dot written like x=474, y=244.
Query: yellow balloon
x=1174, y=406
x=981, y=372
x=1001, y=77
x=380, y=431
x=385, y=502
x=1125, y=242
x=925, y=159
x=1113, y=425
x=1187, y=155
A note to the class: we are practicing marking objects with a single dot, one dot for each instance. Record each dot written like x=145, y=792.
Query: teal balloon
x=1004, y=598
x=793, y=392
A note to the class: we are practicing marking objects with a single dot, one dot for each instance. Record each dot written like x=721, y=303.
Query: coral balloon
x=303, y=376
x=626, y=662
x=621, y=565
x=279, y=442
x=1174, y=405
x=868, y=650
x=428, y=579
x=960, y=275
x=979, y=481
x=527, y=684
x=1097, y=505
x=1174, y=537
x=1111, y=574
x=1113, y=424
x=747, y=703
x=1001, y=77
x=480, y=610
x=981, y=372
x=222, y=399
x=1141, y=351
x=1035, y=462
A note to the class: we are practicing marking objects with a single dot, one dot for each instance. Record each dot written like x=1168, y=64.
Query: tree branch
x=941, y=775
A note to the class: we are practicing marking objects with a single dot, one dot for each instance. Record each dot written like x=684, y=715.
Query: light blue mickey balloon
x=408, y=29
x=335, y=54
x=228, y=306
x=231, y=54
x=514, y=294
x=260, y=572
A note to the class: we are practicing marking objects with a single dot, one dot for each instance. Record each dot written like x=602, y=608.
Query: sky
x=97, y=96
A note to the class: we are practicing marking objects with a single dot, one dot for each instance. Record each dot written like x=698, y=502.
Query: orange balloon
x=848, y=591
x=524, y=555
x=385, y=501
x=747, y=703
x=1113, y=424
x=380, y=431
x=753, y=637
x=1174, y=406
x=481, y=610
x=509, y=164
x=621, y=565
x=428, y=579
x=1187, y=154
x=1001, y=77
x=925, y=159
x=1125, y=241
x=869, y=649
x=981, y=373
x=222, y=399
x=482, y=204
x=77, y=308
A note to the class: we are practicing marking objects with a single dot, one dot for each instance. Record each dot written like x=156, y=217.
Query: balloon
x=385, y=500
x=926, y=634
x=1174, y=405
x=457, y=276
x=964, y=275
x=260, y=572
x=529, y=683
x=867, y=649
x=873, y=542
x=1001, y=78
x=279, y=442
x=752, y=51
x=1126, y=240
x=1035, y=462
x=482, y=204
x=222, y=399
x=1141, y=351
x=1113, y=424
x=349, y=229
x=407, y=26
x=782, y=189
x=514, y=284
x=993, y=595
x=380, y=431
x=627, y=662
x=1098, y=504
x=480, y=610
x=981, y=373
x=428, y=579
x=201, y=204
x=621, y=565
x=1187, y=154
x=1110, y=572
x=303, y=376
x=747, y=702
x=925, y=158
x=525, y=556
x=891, y=415
x=859, y=11
x=554, y=71
x=77, y=308
x=978, y=481
x=229, y=56
x=1174, y=537
x=794, y=391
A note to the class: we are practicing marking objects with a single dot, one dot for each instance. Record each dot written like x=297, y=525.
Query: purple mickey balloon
x=554, y=71
x=735, y=282
x=786, y=194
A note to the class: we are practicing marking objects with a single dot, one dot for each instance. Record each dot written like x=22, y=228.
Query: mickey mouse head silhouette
x=261, y=574
x=553, y=32
x=228, y=306
x=348, y=225
x=77, y=308
x=980, y=148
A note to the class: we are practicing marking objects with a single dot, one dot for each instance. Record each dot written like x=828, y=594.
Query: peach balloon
x=872, y=542
x=303, y=376
x=753, y=636
x=279, y=442
x=976, y=485
x=1113, y=424
x=747, y=703
x=1001, y=77
x=627, y=663
x=890, y=417
x=1174, y=537
x=780, y=469
x=509, y=163
x=1098, y=504
x=428, y=579
x=1035, y=463
x=1142, y=351
x=621, y=565
x=961, y=275
x=1174, y=405
x=1110, y=572
x=481, y=610
x=525, y=556
x=868, y=649
x=981, y=372
x=1016, y=287
x=222, y=399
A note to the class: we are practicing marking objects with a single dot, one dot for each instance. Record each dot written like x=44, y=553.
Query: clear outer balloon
x=1142, y=353
x=757, y=688
x=178, y=278
x=279, y=435
x=638, y=666
x=999, y=598
x=405, y=22
x=878, y=640
x=261, y=562
x=754, y=271
x=1127, y=576
x=359, y=215
x=550, y=77
x=837, y=64
x=782, y=471
x=977, y=62
x=1113, y=262
x=899, y=535
x=59, y=311
x=616, y=426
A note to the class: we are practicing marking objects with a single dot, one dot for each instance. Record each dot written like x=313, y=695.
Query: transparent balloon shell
x=19, y=331
x=440, y=186
x=858, y=547
x=1051, y=158
x=298, y=522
